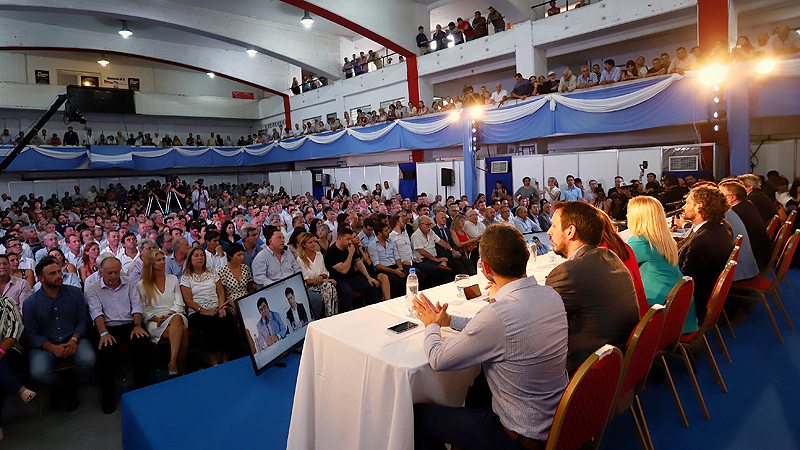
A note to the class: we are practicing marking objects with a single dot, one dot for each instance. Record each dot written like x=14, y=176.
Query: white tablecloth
x=358, y=381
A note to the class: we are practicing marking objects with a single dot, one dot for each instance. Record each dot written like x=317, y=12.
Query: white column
x=529, y=59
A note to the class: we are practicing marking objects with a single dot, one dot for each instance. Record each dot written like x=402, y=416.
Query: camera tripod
x=154, y=203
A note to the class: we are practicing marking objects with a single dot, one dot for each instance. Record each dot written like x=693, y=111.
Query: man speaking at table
x=521, y=341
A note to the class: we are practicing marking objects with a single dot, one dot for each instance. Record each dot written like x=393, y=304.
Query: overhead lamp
x=210, y=74
x=251, y=52
x=124, y=31
x=765, y=66
x=713, y=74
x=307, y=21
x=102, y=61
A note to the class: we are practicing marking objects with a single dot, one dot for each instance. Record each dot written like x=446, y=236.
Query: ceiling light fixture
x=251, y=52
x=124, y=31
x=210, y=74
x=102, y=61
x=307, y=21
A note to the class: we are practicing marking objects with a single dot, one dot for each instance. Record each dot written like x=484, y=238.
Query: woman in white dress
x=315, y=274
x=163, y=309
x=552, y=190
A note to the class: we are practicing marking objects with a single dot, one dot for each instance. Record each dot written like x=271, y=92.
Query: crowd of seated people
x=124, y=277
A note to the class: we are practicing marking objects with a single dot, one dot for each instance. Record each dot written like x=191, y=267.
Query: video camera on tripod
x=172, y=182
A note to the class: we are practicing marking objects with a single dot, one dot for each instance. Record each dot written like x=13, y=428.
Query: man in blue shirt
x=56, y=319
x=611, y=74
x=386, y=258
x=422, y=42
x=571, y=192
x=270, y=327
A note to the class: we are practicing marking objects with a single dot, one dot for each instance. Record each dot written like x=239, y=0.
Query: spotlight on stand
x=455, y=115
x=476, y=112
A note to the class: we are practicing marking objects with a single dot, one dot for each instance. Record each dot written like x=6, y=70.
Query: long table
x=358, y=381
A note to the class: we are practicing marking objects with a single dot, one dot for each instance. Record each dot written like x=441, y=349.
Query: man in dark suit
x=594, y=283
x=704, y=253
x=673, y=194
x=297, y=313
x=544, y=217
x=765, y=206
x=736, y=195
x=446, y=248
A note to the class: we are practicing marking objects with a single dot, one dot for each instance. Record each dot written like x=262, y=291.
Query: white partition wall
x=629, y=161
x=526, y=166
x=357, y=178
x=598, y=165
x=297, y=184
x=392, y=175
x=306, y=181
x=372, y=176
x=559, y=166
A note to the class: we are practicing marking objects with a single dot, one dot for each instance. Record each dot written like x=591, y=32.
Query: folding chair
x=642, y=348
x=762, y=285
x=772, y=227
x=586, y=405
x=678, y=304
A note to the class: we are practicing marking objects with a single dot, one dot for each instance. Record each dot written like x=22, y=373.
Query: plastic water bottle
x=412, y=289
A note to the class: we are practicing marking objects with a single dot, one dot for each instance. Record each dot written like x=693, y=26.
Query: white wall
x=777, y=155
x=17, y=67
x=369, y=89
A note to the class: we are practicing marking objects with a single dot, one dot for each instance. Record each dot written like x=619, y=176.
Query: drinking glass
x=410, y=305
x=551, y=251
x=461, y=281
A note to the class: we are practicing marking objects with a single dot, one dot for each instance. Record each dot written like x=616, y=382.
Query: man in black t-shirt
x=349, y=271
x=523, y=89
x=673, y=196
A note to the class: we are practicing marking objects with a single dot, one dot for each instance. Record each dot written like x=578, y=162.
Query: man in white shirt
x=568, y=82
x=473, y=227
x=783, y=42
x=74, y=255
x=685, y=61
x=499, y=95
x=112, y=245
x=388, y=192
x=129, y=251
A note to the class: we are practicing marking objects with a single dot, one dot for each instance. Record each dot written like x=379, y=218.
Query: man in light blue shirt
x=270, y=327
x=386, y=258
x=571, y=192
x=367, y=235
x=611, y=74
x=587, y=78
x=524, y=223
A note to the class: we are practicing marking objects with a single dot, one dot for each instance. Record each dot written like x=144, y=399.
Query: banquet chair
x=762, y=285
x=737, y=245
x=777, y=248
x=587, y=402
x=691, y=341
x=790, y=220
x=639, y=353
x=678, y=304
x=772, y=227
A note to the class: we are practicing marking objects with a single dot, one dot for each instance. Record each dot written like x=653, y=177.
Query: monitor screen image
x=274, y=320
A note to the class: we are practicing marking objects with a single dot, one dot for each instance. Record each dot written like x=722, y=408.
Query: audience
x=350, y=273
x=597, y=289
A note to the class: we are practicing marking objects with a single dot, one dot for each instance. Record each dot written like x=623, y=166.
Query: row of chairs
x=609, y=382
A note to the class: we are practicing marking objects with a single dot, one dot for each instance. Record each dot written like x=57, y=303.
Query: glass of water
x=462, y=282
x=410, y=305
x=551, y=251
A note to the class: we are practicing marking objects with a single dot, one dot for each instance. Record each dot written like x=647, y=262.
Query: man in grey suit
x=595, y=285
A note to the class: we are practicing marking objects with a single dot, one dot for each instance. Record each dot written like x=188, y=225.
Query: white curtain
x=326, y=138
x=784, y=68
x=611, y=104
x=155, y=153
x=512, y=113
x=57, y=154
x=426, y=128
x=371, y=135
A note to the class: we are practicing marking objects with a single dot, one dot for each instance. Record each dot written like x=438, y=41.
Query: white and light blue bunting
x=621, y=107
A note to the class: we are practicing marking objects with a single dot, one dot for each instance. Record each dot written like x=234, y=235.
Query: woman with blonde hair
x=315, y=274
x=552, y=190
x=656, y=252
x=163, y=309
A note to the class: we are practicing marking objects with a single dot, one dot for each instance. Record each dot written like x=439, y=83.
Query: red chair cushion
x=758, y=282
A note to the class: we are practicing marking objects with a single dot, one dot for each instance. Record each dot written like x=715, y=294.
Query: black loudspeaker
x=409, y=175
x=326, y=180
x=448, y=177
x=317, y=174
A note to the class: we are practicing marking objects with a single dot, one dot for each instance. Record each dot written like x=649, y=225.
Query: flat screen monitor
x=274, y=320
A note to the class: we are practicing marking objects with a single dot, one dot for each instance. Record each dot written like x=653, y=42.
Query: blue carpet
x=762, y=407
x=214, y=407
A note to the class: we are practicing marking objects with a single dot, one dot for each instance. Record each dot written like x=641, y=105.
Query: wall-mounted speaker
x=448, y=177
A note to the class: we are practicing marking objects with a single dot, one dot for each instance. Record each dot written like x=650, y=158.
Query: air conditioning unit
x=499, y=167
x=690, y=163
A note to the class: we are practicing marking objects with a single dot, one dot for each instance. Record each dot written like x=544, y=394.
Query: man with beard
x=594, y=283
